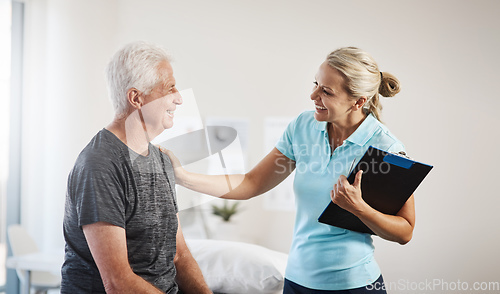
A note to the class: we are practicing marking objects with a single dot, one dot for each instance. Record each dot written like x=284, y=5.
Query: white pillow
x=236, y=267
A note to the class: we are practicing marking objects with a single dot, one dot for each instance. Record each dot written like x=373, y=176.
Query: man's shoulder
x=101, y=151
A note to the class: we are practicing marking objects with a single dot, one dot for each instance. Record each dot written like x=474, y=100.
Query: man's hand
x=189, y=276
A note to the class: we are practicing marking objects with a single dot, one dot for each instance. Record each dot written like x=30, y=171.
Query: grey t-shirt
x=111, y=183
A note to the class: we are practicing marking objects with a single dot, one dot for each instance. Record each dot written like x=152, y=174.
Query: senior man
x=121, y=225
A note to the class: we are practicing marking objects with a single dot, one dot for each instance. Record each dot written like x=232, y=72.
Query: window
x=5, y=57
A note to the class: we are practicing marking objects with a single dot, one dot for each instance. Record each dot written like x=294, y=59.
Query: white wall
x=255, y=59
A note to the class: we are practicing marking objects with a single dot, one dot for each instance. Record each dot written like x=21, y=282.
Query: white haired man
x=120, y=224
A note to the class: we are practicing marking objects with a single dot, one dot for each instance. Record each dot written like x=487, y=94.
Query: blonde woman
x=321, y=145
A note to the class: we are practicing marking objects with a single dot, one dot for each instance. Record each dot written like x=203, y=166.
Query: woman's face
x=332, y=102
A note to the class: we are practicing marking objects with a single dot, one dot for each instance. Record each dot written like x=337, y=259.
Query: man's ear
x=360, y=102
x=134, y=98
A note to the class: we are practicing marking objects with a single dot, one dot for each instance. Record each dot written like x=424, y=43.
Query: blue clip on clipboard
x=398, y=160
x=387, y=183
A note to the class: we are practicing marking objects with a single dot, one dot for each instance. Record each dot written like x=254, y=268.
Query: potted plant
x=225, y=211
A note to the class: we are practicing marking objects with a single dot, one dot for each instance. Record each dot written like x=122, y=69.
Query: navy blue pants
x=376, y=287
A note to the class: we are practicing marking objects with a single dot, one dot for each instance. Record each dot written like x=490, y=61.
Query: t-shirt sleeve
x=397, y=147
x=285, y=143
x=98, y=194
x=169, y=169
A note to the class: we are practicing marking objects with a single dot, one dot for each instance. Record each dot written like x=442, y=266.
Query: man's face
x=160, y=104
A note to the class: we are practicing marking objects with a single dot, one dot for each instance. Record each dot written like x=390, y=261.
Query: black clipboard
x=387, y=183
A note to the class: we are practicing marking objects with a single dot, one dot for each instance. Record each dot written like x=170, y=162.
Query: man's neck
x=130, y=130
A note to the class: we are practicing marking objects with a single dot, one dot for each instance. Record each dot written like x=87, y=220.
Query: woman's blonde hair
x=363, y=78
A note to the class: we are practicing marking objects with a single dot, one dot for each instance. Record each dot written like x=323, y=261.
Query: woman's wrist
x=362, y=210
x=181, y=175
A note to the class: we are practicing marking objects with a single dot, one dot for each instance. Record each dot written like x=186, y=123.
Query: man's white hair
x=135, y=65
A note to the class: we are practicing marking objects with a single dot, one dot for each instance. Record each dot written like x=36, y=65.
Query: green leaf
x=225, y=211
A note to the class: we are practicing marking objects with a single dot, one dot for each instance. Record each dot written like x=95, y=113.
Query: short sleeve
x=285, y=143
x=169, y=170
x=98, y=194
x=397, y=147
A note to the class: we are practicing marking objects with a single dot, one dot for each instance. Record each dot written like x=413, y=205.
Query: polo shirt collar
x=321, y=125
x=362, y=134
x=365, y=131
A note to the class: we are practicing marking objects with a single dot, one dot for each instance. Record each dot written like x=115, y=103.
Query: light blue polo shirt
x=321, y=256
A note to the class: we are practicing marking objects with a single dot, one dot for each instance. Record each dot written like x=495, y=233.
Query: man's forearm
x=108, y=246
x=131, y=284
